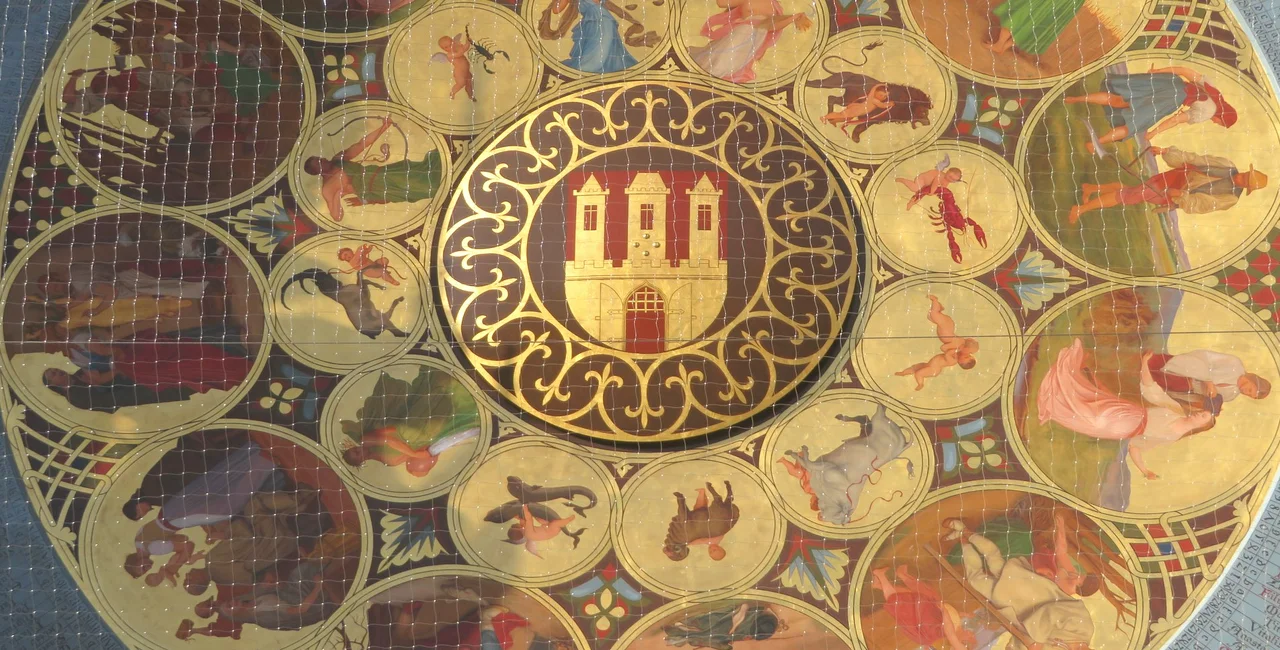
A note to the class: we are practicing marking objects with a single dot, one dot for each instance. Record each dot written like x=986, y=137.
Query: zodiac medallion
x=539, y=513
x=932, y=357
x=631, y=303
x=957, y=199
x=874, y=93
x=698, y=526
x=407, y=430
x=463, y=66
x=371, y=167
x=762, y=619
x=844, y=465
x=366, y=295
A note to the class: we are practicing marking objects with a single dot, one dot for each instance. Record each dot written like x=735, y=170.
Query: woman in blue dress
x=1150, y=103
x=597, y=45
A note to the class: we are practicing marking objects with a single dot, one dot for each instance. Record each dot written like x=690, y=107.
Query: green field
x=1129, y=240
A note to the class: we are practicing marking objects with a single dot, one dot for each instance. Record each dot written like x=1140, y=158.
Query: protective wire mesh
x=668, y=323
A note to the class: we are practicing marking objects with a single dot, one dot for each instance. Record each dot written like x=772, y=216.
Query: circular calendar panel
x=618, y=324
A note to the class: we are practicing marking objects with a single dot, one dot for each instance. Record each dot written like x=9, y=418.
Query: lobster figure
x=950, y=220
x=947, y=216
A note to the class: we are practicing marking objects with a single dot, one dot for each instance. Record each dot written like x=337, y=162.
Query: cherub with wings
x=461, y=51
x=930, y=181
x=455, y=51
x=956, y=350
x=534, y=520
x=361, y=260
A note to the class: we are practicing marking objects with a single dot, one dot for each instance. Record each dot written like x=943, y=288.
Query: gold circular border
x=646, y=623
x=420, y=327
x=611, y=497
x=28, y=398
x=782, y=82
x=643, y=65
x=344, y=38
x=1263, y=472
x=1023, y=207
x=405, y=26
x=1142, y=598
x=360, y=598
x=844, y=188
x=308, y=203
x=87, y=576
x=331, y=436
x=1016, y=337
x=946, y=107
x=1047, y=238
x=1126, y=41
x=52, y=97
x=769, y=449
x=771, y=548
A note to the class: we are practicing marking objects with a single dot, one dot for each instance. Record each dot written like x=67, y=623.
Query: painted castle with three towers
x=670, y=283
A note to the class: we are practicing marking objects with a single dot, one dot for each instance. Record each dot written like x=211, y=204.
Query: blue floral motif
x=352, y=75
x=1035, y=281
x=609, y=599
x=970, y=447
x=596, y=584
x=310, y=399
x=268, y=224
x=878, y=8
x=814, y=570
x=408, y=538
x=988, y=117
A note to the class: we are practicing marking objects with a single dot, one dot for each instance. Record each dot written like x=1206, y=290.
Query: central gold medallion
x=648, y=262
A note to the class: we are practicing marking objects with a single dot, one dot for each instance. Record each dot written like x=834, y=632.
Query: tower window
x=590, y=217
x=646, y=216
x=704, y=217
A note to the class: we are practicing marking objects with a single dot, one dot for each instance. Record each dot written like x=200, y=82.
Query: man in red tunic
x=160, y=363
x=919, y=611
x=1194, y=184
x=489, y=628
x=1205, y=380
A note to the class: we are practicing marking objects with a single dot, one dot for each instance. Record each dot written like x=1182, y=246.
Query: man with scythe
x=346, y=179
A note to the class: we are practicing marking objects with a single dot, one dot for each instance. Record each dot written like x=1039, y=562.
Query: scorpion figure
x=486, y=50
x=947, y=216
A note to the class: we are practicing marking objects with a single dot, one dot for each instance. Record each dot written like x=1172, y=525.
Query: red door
x=646, y=321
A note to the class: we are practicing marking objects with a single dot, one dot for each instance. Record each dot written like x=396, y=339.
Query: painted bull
x=834, y=481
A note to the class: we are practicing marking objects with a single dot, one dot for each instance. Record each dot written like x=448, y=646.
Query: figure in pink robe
x=1069, y=397
x=741, y=35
